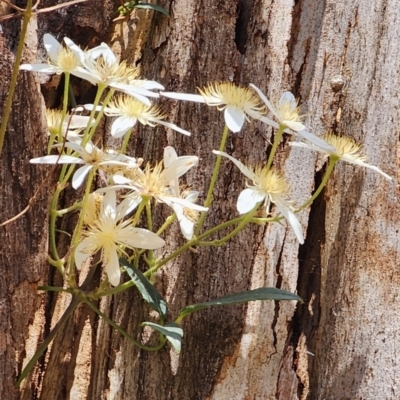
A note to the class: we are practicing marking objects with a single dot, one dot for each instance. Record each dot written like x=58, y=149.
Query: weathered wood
x=342, y=61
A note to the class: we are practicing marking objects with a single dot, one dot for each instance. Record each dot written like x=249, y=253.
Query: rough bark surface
x=341, y=60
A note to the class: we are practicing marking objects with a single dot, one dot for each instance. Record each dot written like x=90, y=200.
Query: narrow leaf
x=172, y=331
x=146, y=289
x=264, y=293
x=155, y=7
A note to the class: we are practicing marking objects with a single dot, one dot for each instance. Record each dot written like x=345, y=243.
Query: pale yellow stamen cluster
x=190, y=214
x=289, y=111
x=66, y=60
x=150, y=180
x=345, y=146
x=229, y=94
x=93, y=208
x=116, y=71
x=127, y=106
x=270, y=181
x=53, y=118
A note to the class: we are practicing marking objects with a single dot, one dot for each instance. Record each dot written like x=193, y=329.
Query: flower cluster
x=106, y=223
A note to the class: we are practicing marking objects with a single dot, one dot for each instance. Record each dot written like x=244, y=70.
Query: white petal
x=184, y=96
x=179, y=167
x=234, y=118
x=77, y=121
x=83, y=251
x=174, y=127
x=290, y=217
x=269, y=122
x=91, y=106
x=143, y=239
x=169, y=156
x=102, y=50
x=112, y=267
x=80, y=175
x=121, y=126
x=109, y=204
x=43, y=68
x=56, y=159
x=121, y=180
x=248, y=199
x=265, y=100
x=182, y=202
x=128, y=205
x=192, y=196
x=243, y=169
x=325, y=147
x=295, y=126
x=187, y=227
x=86, y=75
x=75, y=49
x=287, y=98
x=52, y=46
x=149, y=85
x=363, y=164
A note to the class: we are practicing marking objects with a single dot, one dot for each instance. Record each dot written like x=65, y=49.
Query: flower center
x=345, y=146
x=227, y=93
x=66, y=60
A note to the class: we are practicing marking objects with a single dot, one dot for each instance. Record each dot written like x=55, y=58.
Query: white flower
x=268, y=187
x=155, y=182
x=74, y=124
x=237, y=102
x=129, y=111
x=90, y=155
x=287, y=114
x=186, y=216
x=344, y=148
x=61, y=59
x=101, y=67
x=108, y=232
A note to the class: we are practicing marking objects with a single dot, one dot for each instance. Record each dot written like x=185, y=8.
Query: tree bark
x=341, y=60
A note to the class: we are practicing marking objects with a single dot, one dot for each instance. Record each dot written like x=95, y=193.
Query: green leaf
x=146, y=289
x=264, y=293
x=155, y=7
x=172, y=331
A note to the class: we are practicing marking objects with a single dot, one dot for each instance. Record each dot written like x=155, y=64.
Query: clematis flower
x=129, y=111
x=61, y=59
x=102, y=68
x=268, y=187
x=74, y=123
x=187, y=217
x=344, y=148
x=90, y=155
x=238, y=103
x=287, y=113
x=108, y=232
x=155, y=182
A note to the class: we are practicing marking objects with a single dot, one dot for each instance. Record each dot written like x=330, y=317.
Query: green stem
x=139, y=210
x=245, y=221
x=99, y=116
x=124, y=333
x=53, y=289
x=214, y=178
x=331, y=165
x=7, y=108
x=86, y=136
x=64, y=113
x=39, y=352
x=166, y=224
x=277, y=139
x=125, y=142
